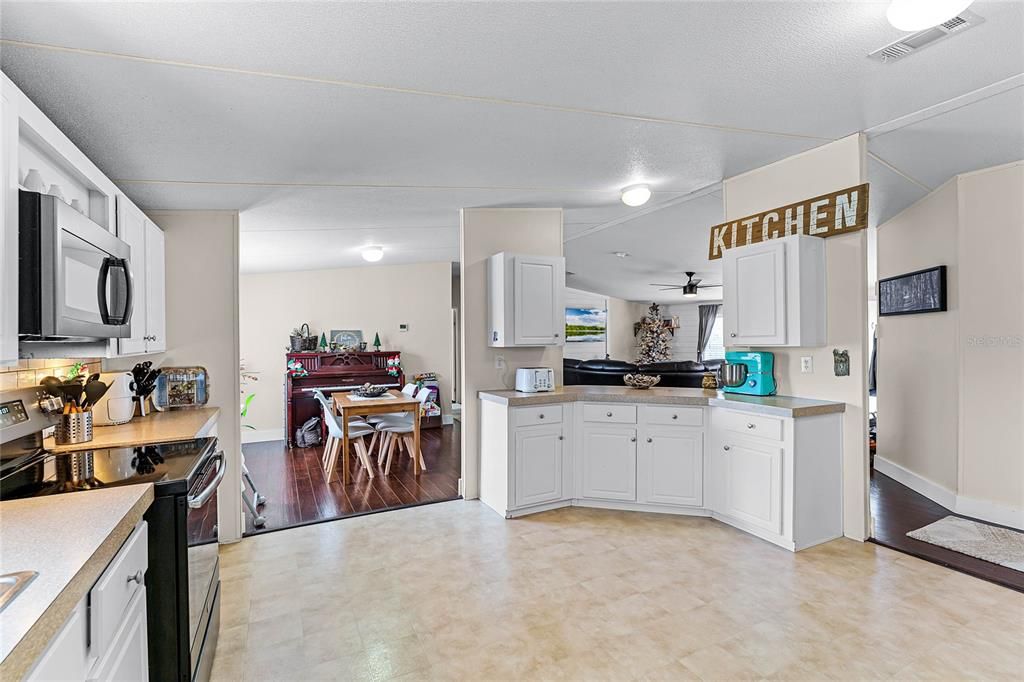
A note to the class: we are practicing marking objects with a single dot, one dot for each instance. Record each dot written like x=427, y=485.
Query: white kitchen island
x=771, y=466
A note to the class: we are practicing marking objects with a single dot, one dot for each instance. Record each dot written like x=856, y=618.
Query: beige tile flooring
x=453, y=591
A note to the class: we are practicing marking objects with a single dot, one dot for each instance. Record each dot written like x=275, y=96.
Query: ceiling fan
x=690, y=288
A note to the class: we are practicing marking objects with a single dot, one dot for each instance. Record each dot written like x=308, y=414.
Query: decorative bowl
x=641, y=380
x=371, y=391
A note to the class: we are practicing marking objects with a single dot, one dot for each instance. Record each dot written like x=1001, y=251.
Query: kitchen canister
x=74, y=428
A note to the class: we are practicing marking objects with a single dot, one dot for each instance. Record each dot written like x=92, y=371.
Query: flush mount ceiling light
x=915, y=15
x=372, y=254
x=621, y=254
x=636, y=195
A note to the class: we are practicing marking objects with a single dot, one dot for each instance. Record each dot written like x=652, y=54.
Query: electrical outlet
x=499, y=362
x=807, y=364
x=403, y=327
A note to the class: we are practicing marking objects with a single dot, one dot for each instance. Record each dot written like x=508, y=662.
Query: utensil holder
x=73, y=428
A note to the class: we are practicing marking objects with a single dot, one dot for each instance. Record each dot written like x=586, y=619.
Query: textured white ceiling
x=335, y=125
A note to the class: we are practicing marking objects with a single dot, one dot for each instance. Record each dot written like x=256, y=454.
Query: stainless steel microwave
x=74, y=279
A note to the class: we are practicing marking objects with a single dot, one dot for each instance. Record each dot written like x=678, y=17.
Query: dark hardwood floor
x=298, y=492
x=897, y=509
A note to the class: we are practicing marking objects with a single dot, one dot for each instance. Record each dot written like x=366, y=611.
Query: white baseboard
x=961, y=504
x=930, y=489
x=257, y=436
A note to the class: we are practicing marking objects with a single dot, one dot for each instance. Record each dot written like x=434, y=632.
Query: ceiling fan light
x=916, y=15
x=372, y=254
x=636, y=195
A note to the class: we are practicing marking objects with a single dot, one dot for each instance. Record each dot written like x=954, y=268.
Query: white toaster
x=535, y=379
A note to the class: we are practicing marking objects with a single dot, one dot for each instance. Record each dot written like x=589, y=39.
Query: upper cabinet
x=147, y=264
x=774, y=293
x=526, y=300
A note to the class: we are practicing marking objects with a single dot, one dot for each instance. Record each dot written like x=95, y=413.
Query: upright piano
x=332, y=372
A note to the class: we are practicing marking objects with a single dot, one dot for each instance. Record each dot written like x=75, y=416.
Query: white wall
x=956, y=435
x=482, y=233
x=202, y=329
x=374, y=299
x=833, y=166
x=918, y=391
x=684, y=343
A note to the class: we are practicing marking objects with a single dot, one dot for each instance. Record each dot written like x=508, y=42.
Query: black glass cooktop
x=170, y=466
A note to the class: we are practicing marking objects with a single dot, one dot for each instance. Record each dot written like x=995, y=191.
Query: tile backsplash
x=31, y=372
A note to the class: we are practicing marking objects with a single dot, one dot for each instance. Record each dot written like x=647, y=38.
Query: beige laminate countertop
x=156, y=427
x=776, y=405
x=69, y=540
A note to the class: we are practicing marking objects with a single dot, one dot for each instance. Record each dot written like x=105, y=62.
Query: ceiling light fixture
x=636, y=195
x=621, y=254
x=372, y=254
x=916, y=15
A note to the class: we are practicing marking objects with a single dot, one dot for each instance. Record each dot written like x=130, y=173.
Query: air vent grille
x=929, y=36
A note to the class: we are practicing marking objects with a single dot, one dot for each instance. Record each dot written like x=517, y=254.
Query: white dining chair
x=409, y=390
x=335, y=440
x=399, y=432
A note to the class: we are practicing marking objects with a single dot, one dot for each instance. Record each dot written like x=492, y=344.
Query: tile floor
x=453, y=591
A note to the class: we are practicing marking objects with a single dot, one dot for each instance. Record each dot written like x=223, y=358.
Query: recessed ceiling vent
x=917, y=41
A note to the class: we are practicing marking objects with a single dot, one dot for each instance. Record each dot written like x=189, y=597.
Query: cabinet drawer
x=670, y=415
x=114, y=590
x=749, y=424
x=542, y=414
x=608, y=413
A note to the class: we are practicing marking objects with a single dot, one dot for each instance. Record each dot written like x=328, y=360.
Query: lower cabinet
x=608, y=463
x=538, y=459
x=751, y=483
x=128, y=657
x=671, y=467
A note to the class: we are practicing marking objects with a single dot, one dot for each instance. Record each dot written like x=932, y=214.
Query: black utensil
x=52, y=386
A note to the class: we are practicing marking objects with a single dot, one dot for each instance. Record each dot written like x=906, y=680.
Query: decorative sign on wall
x=825, y=216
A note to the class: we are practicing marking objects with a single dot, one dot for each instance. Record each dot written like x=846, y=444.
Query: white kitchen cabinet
x=526, y=300
x=751, y=483
x=8, y=229
x=127, y=659
x=538, y=465
x=608, y=462
x=774, y=293
x=670, y=466
x=147, y=262
x=105, y=637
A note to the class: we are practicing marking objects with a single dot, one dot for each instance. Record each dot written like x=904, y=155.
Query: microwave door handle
x=198, y=500
x=101, y=289
x=129, y=291
x=123, y=316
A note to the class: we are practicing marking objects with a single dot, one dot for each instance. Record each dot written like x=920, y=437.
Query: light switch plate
x=499, y=362
x=807, y=364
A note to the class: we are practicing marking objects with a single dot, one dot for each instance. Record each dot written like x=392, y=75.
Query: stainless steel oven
x=203, y=563
x=75, y=279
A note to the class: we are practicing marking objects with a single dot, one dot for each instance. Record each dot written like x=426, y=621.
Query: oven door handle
x=198, y=500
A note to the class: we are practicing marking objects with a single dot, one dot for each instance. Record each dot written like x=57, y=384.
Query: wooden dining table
x=347, y=405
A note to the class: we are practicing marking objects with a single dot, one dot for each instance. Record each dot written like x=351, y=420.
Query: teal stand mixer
x=749, y=373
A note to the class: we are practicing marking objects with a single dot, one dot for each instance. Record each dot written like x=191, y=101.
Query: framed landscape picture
x=585, y=325
x=923, y=291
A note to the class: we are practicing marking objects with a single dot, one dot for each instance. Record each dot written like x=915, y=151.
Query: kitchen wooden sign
x=825, y=216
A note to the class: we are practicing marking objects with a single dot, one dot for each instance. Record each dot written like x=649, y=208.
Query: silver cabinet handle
x=609, y=414
x=137, y=578
x=733, y=334
x=540, y=416
x=650, y=440
x=751, y=426
x=725, y=447
x=633, y=439
x=675, y=416
x=561, y=438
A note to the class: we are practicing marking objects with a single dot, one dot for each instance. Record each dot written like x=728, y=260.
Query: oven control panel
x=22, y=413
x=12, y=412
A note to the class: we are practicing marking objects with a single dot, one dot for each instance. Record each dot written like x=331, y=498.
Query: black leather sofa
x=685, y=374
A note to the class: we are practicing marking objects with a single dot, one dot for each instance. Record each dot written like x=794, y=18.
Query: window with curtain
x=716, y=345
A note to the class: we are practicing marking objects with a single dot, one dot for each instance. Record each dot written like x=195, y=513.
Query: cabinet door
x=538, y=308
x=754, y=294
x=131, y=228
x=671, y=467
x=67, y=656
x=751, y=479
x=9, y=181
x=538, y=464
x=127, y=658
x=156, y=323
x=608, y=460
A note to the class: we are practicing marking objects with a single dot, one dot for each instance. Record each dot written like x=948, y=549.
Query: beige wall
x=818, y=171
x=202, y=328
x=918, y=406
x=622, y=315
x=483, y=233
x=991, y=286
x=375, y=299
x=957, y=435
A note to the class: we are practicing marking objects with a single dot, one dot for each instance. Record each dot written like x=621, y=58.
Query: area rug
x=991, y=543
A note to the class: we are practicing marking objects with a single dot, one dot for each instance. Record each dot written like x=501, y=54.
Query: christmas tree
x=654, y=344
x=376, y=341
